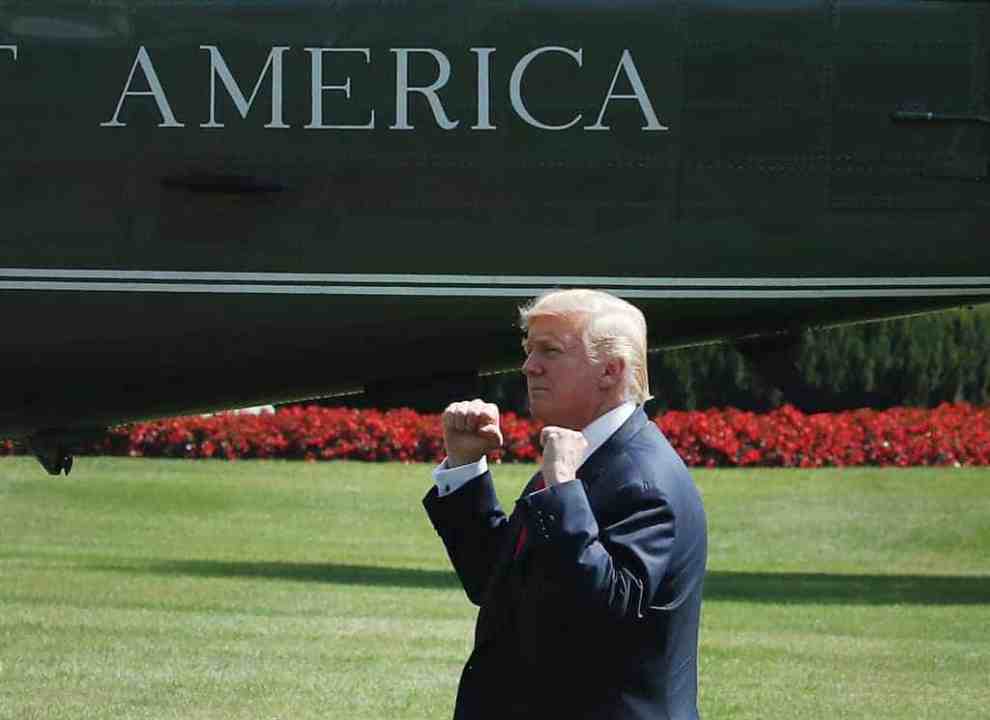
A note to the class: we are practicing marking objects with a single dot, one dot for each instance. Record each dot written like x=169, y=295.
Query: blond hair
x=611, y=328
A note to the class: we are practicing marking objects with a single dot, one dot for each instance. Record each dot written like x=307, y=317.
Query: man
x=590, y=592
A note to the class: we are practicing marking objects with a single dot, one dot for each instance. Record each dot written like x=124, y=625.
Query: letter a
x=639, y=94
x=155, y=91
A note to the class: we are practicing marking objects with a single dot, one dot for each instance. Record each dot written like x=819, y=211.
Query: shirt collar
x=603, y=427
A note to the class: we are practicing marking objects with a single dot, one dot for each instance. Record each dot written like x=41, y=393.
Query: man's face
x=563, y=382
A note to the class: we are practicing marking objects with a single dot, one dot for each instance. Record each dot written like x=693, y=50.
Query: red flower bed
x=956, y=434
x=947, y=435
x=315, y=433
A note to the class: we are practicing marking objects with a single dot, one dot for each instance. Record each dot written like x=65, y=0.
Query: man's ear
x=612, y=371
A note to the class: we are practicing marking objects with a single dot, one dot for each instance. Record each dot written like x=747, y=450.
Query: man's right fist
x=470, y=429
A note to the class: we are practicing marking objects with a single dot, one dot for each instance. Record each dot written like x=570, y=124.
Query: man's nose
x=531, y=366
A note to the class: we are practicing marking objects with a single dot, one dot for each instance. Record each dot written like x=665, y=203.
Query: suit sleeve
x=473, y=526
x=614, y=571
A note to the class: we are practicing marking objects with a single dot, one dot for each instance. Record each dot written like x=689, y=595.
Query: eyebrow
x=542, y=340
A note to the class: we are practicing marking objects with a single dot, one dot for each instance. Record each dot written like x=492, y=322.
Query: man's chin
x=537, y=405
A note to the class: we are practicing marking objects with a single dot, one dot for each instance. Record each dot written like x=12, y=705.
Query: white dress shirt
x=601, y=429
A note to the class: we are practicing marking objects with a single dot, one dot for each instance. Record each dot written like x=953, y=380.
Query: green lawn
x=202, y=589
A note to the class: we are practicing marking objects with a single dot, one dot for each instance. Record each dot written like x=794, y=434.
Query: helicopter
x=212, y=205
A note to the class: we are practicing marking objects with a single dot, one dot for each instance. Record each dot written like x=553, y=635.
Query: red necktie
x=539, y=485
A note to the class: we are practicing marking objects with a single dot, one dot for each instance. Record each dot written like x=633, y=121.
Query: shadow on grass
x=778, y=588
x=280, y=570
x=825, y=589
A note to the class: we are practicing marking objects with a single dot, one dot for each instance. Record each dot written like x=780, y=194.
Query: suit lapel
x=506, y=554
x=531, y=485
x=496, y=606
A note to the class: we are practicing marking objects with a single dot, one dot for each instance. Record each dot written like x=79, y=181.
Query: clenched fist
x=563, y=453
x=470, y=429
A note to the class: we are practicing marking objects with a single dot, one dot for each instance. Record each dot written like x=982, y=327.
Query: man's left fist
x=563, y=453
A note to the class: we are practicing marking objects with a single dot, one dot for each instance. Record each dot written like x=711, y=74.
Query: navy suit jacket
x=598, y=615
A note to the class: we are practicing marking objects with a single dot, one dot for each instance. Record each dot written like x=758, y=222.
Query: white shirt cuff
x=449, y=480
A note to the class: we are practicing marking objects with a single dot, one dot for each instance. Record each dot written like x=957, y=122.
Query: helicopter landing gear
x=55, y=448
x=52, y=453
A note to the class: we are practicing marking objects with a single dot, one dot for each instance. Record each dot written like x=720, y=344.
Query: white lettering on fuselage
x=11, y=48
x=318, y=88
x=515, y=86
x=431, y=92
x=218, y=68
x=155, y=90
x=639, y=94
x=402, y=89
x=484, y=89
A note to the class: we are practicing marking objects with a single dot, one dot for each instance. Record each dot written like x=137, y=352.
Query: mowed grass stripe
x=178, y=589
